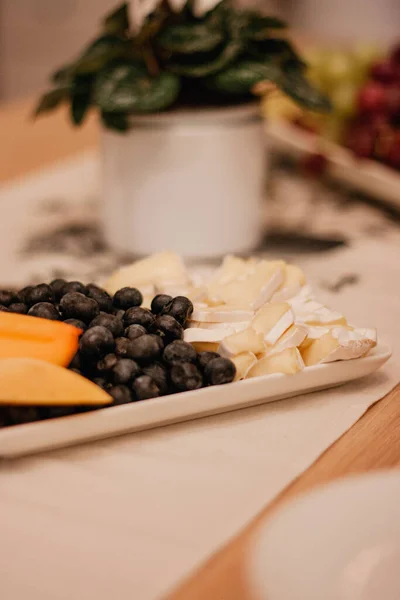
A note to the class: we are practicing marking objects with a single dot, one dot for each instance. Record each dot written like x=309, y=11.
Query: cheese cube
x=243, y=341
x=256, y=287
x=243, y=363
x=293, y=282
x=288, y=361
x=292, y=338
x=272, y=320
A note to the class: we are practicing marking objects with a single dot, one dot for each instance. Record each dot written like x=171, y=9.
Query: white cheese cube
x=255, y=288
x=292, y=338
x=272, y=320
x=288, y=361
x=243, y=363
x=294, y=280
x=243, y=341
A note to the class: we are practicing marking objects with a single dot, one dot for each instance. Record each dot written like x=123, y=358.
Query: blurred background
x=35, y=35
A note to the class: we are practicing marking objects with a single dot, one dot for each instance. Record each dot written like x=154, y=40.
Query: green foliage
x=227, y=52
x=129, y=89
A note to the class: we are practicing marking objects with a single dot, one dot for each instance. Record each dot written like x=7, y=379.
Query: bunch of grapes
x=374, y=130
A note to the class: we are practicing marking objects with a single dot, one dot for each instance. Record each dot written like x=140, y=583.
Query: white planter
x=191, y=182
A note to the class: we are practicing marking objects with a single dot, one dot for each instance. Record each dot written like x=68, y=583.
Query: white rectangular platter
x=367, y=176
x=26, y=439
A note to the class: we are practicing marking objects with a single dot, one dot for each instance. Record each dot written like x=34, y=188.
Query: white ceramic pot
x=191, y=182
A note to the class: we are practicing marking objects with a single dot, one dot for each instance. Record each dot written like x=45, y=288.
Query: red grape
x=372, y=98
x=393, y=100
x=383, y=71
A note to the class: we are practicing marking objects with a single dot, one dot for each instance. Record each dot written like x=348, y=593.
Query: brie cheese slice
x=231, y=326
x=309, y=311
x=157, y=268
x=221, y=314
x=272, y=320
x=232, y=267
x=292, y=338
x=255, y=288
x=243, y=363
x=322, y=316
x=243, y=341
x=198, y=334
x=293, y=282
x=287, y=361
x=339, y=343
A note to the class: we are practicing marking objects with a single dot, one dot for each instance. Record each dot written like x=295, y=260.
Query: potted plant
x=182, y=142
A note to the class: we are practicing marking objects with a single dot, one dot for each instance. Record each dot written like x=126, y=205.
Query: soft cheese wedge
x=233, y=326
x=311, y=312
x=288, y=361
x=197, y=334
x=272, y=320
x=243, y=341
x=243, y=363
x=339, y=344
x=292, y=338
x=314, y=332
x=28, y=381
x=294, y=280
x=164, y=267
x=256, y=287
x=232, y=268
x=212, y=332
x=221, y=314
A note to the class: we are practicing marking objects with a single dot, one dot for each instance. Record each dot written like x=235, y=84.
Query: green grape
x=344, y=99
x=364, y=56
x=338, y=66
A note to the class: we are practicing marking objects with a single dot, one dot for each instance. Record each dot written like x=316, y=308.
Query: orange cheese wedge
x=31, y=337
x=28, y=381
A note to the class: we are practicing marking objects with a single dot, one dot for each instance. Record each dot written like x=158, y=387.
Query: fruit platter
x=158, y=344
x=360, y=138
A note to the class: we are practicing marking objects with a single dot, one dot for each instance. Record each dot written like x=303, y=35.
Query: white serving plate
x=367, y=176
x=339, y=542
x=55, y=433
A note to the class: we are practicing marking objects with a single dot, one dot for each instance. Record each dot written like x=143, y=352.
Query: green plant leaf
x=128, y=88
x=62, y=76
x=117, y=22
x=81, y=93
x=116, y=121
x=190, y=37
x=240, y=77
x=296, y=85
x=259, y=27
x=275, y=48
x=203, y=65
x=51, y=100
x=101, y=52
x=79, y=108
